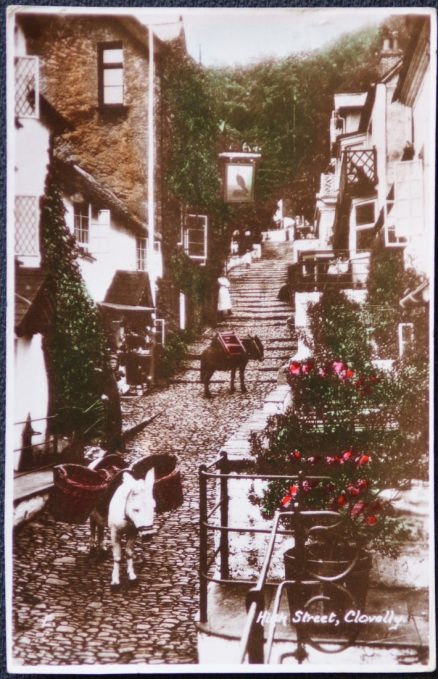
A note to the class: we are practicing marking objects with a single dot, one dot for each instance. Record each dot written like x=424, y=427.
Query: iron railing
x=220, y=472
x=36, y=455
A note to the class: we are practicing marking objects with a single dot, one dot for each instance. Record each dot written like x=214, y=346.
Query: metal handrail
x=251, y=633
x=250, y=630
x=205, y=526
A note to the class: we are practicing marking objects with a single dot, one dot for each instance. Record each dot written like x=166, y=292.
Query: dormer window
x=111, y=74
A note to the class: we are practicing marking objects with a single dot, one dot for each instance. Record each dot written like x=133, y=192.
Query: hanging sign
x=239, y=177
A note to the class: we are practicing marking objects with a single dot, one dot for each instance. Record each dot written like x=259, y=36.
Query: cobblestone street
x=64, y=611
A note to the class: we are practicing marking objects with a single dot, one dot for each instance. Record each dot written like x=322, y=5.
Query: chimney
x=390, y=53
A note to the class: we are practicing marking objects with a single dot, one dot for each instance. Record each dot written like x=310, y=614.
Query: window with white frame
x=404, y=216
x=364, y=220
x=111, y=74
x=26, y=226
x=142, y=244
x=100, y=223
x=195, y=233
x=160, y=327
x=82, y=223
x=405, y=338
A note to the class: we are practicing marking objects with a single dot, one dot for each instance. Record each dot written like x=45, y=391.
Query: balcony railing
x=359, y=168
x=27, y=87
x=322, y=271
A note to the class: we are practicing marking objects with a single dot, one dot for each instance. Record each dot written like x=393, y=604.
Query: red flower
x=357, y=509
x=364, y=459
x=352, y=490
x=295, y=368
x=362, y=483
x=347, y=455
x=307, y=367
x=339, y=367
x=348, y=374
x=295, y=455
x=370, y=520
x=342, y=500
x=285, y=502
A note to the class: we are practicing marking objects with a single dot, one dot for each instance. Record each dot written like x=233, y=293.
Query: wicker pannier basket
x=76, y=491
x=168, y=492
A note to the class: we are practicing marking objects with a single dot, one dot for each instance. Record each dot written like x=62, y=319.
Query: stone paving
x=64, y=610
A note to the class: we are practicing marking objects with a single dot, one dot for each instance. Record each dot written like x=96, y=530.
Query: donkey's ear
x=150, y=478
x=128, y=479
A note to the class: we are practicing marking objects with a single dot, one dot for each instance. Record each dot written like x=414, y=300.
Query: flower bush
x=350, y=422
x=344, y=483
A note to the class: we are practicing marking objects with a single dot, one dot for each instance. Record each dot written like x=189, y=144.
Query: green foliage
x=284, y=107
x=191, y=172
x=342, y=403
x=192, y=165
x=193, y=280
x=337, y=331
x=76, y=348
x=171, y=355
x=386, y=282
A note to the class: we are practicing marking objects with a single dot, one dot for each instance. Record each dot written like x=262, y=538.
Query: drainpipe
x=151, y=158
x=151, y=194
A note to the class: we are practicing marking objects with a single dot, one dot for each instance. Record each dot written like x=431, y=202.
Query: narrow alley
x=65, y=612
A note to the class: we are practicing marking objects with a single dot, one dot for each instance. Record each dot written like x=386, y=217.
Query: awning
x=130, y=289
x=33, y=301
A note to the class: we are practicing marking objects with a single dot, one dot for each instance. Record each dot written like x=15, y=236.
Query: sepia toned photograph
x=219, y=403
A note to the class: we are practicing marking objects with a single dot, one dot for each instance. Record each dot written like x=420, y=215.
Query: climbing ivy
x=191, y=174
x=75, y=347
x=191, y=171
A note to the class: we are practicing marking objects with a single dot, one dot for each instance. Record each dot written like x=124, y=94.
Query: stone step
x=239, y=316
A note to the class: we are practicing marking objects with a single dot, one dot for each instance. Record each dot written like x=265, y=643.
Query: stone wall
x=111, y=145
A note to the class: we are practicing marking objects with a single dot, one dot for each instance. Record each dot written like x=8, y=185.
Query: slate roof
x=130, y=288
x=74, y=178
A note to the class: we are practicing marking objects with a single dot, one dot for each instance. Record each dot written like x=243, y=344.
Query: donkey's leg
x=130, y=562
x=117, y=556
x=242, y=379
x=207, y=377
x=233, y=377
x=93, y=527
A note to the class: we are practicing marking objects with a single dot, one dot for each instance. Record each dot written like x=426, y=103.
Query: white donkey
x=127, y=507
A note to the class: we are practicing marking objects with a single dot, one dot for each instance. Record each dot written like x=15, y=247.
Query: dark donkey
x=214, y=358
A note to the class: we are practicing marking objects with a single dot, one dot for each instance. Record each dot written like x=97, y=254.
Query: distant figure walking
x=224, y=300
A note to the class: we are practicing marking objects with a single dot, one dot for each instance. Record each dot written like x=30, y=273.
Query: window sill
x=113, y=110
